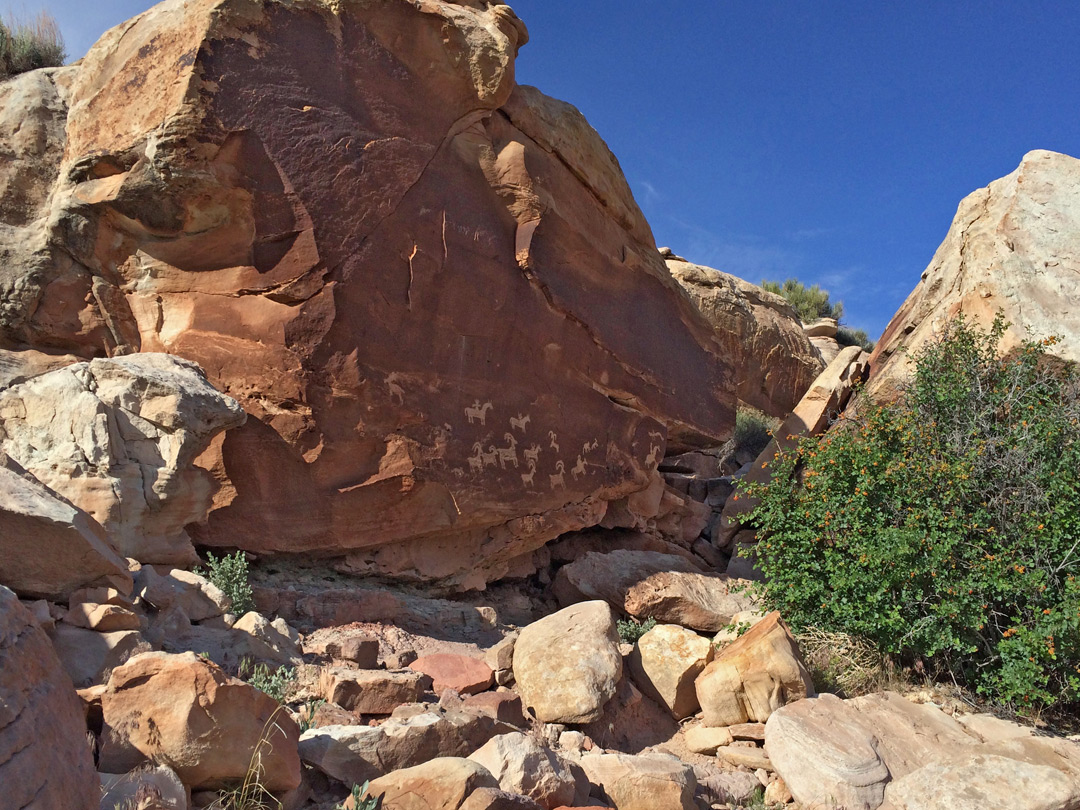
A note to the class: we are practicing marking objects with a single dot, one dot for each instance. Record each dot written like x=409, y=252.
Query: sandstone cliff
x=430, y=287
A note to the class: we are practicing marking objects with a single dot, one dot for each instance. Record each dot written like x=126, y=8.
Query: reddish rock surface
x=431, y=288
x=461, y=673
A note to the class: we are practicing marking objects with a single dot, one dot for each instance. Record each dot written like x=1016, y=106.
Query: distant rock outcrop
x=1013, y=246
x=774, y=359
x=431, y=287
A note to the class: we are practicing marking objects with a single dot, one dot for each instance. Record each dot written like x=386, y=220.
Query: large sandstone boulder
x=645, y=782
x=443, y=783
x=567, y=665
x=117, y=438
x=431, y=288
x=646, y=584
x=45, y=761
x=524, y=765
x=665, y=663
x=184, y=712
x=1013, y=246
x=754, y=676
x=774, y=358
x=48, y=547
x=883, y=751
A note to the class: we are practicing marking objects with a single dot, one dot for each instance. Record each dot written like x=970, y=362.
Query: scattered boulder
x=351, y=754
x=184, y=712
x=665, y=663
x=643, y=782
x=754, y=676
x=372, y=691
x=774, y=358
x=745, y=756
x=117, y=438
x=567, y=665
x=157, y=788
x=1012, y=247
x=706, y=739
x=267, y=641
x=102, y=618
x=491, y=799
x=88, y=656
x=193, y=593
x=48, y=547
x=443, y=783
x=524, y=765
x=361, y=650
x=44, y=759
x=646, y=584
x=463, y=674
x=503, y=706
x=725, y=786
x=884, y=751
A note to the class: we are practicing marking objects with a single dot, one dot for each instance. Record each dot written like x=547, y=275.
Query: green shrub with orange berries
x=944, y=527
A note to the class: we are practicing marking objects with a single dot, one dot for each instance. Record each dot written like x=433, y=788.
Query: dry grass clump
x=846, y=665
x=30, y=44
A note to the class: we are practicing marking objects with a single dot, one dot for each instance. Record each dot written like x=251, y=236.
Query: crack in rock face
x=430, y=288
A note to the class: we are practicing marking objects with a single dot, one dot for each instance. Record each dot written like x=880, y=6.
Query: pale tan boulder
x=754, y=676
x=275, y=641
x=443, y=783
x=156, y=788
x=704, y=739
x=774, y=359
x=372, y=691
x=745, y=756
x=48, y=547
x=524, y=765
x=1012, y=246
x=88, y=656
x=491, y=799
x=353, y=753
x=198, y=597
x=45, y=761
x=184, y=712
x=648, y=584
x=117, y=437
x=665, y=663
x=102, y=618
x=776, y=792
x=825, y=400
x=567, y=665
x=644, y=782
x=884, y=751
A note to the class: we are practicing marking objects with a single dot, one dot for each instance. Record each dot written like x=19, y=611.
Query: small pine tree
x=810, y=303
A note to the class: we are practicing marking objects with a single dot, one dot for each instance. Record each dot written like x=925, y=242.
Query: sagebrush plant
x=944, y=527
x=29, y=45
x=753, y=430
x=278, y=683
x=846, y=336
x=809, y=303
x=630, y=630
x=230, y=573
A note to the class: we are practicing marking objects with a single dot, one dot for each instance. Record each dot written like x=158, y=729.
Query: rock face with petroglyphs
x=430, y=287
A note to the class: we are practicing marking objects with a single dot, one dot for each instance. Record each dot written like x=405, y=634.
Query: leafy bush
x=277, y=684
x=944, y=527
x=230, y=573
x=753, y=431
x=360, y=799
x=810, y=303
x=846, y=336
x=30, y=45
x=630, y=630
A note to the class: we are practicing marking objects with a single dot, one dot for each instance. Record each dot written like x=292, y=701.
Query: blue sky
x=831, y=141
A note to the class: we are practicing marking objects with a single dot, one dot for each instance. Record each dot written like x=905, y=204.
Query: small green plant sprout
x=278, y=684
x=360, y=800
x=230, y=573
x=630, y=630
x=307, y=714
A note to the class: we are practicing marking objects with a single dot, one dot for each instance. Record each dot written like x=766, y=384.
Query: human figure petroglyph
x=527, y=478
x=558, y=480
x=478, y=412
x=532, y=454
x=393, y=385
x=653, y=457
x=553, y=437
x=579, y=468
x=519, y=421
x=508, y=453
